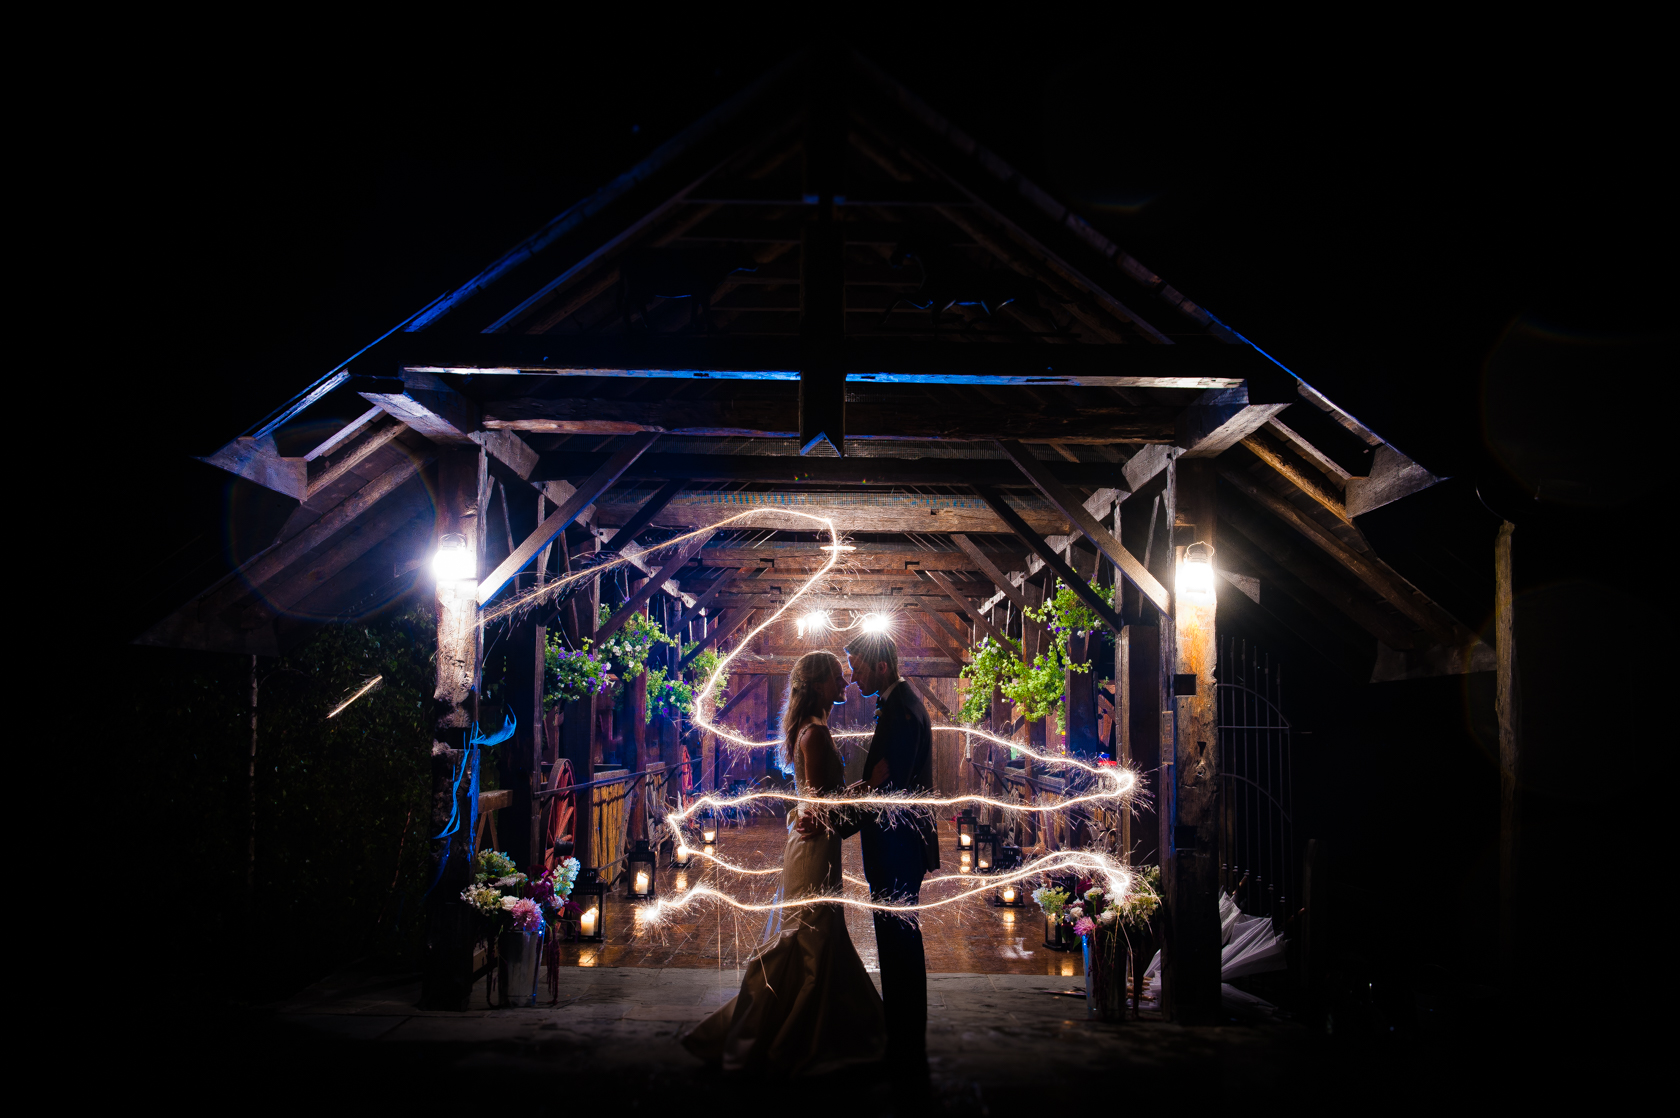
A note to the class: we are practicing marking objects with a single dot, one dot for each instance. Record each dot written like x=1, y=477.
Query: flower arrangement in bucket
x=1105, y=926
x=513, y=912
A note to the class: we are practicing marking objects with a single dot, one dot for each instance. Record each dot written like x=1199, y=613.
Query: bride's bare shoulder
x=815, y=733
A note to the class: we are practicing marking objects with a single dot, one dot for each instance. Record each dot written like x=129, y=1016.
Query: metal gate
x=1257, y=833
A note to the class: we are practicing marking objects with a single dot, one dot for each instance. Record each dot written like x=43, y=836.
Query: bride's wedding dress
x=806, y=1004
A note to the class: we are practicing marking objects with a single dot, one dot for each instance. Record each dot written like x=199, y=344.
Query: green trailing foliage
x=1037, y=688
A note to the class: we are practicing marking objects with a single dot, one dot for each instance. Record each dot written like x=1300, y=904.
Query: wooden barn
x=824, y=298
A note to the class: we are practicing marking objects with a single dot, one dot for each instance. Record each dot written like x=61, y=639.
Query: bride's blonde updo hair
x=812, y=671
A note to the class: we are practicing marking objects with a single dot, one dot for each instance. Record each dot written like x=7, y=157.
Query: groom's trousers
x=894, y=861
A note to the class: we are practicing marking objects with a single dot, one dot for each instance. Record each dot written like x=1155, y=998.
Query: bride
x=806, y=1004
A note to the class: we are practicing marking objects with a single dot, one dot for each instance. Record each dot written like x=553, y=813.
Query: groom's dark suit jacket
x=904, y=738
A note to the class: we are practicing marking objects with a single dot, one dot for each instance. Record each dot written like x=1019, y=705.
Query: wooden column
x=1508, y=706
x=1123, y=725
x=775, y=694
x=524, y=753
x=1079, y=698
x=446, y=977
x=578, y=732
x=1193, y=891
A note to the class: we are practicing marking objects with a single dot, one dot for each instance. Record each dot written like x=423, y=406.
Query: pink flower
x=526, y=916
x=1084, y=926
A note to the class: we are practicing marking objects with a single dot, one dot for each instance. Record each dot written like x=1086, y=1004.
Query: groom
x=896, y=853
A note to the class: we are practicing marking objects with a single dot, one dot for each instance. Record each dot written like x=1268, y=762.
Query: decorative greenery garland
x=1037, y=688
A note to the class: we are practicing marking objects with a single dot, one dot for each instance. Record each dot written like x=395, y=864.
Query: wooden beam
x=940, y=631
x=727, y=625
x=265, y=565
x=1372, y=572
x=990, y=570
x=626, y=535
x=1315, y=593
x=585, y=495
x=1296, y=478
x=931, y=667
x=789, y=470
x=740, y=695
x=927, y=694
x=771, y=415
x=1051, y=559
x=1074, y=509
x=1220, y=419
x=872, y=512
x=1392, y=477
x=863, y=359
x=981, y=621
x=423, y=402
x=366, y=533
x=650, y=587
x=1331, y=468
x=706, y=596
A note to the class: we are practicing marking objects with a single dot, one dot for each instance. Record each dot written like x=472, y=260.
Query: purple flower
x=1084, y=926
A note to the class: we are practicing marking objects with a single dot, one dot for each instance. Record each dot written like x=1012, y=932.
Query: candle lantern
x=986, y=849
x=965, y=829
x=1009, y=896
x=589, y=893
x=708, y=828
x=1056, y=936
x=682, y=855
x=642, y=866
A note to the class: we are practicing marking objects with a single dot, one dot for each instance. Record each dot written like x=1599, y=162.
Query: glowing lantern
x=1010, y=896
x=682, y=856
x=589, y=893
x=1195, y=573
x=454, y=561
x=965, y=829
x=641, y=871
x=985, y=849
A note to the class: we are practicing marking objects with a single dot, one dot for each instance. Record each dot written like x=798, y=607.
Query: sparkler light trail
x=366, y=687
x=1113, y=787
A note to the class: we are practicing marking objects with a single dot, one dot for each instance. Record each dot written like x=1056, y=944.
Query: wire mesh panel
x=1257, y=841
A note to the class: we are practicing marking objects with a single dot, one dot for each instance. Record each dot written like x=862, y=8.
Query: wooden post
x=1079, y=699
x=524, y=754
x=578, y=732
x=775, y=694
x=1123, y=726
x=1193, y=891
x=446, y=979
x=1508, y=706
x=638, y=740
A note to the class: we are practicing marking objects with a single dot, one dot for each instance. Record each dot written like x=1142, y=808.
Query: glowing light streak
x=1089, y=863
x=1113, y=785
x=366, y=687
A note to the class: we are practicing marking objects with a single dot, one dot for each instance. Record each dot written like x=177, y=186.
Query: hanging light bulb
x=453, y=561
x=1195, y=573
x=814, y=622
x=875, y=622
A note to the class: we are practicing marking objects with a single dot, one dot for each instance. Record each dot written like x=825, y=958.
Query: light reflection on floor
x=971, y=937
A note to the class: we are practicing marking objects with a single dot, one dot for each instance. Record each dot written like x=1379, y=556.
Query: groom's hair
x=875, y=648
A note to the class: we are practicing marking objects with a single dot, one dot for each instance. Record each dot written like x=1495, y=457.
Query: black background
x=1458, y=233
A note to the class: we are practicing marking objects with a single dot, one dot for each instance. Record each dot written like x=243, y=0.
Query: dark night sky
x=1383, y=217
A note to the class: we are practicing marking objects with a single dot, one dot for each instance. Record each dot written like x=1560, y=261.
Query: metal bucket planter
x=518, y=964
x=1105, y=975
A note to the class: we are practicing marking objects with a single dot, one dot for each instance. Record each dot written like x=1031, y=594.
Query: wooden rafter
x=1074, y=509
x=1373, y=572
x=650, y=587
x=597, y=483
x=1051, y=558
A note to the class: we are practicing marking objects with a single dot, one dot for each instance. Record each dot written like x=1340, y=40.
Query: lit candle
x=1009, y=894
x=641, y=881
x=985, y=863
x=709, y=836
x=587, y=921
x=964, y=840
